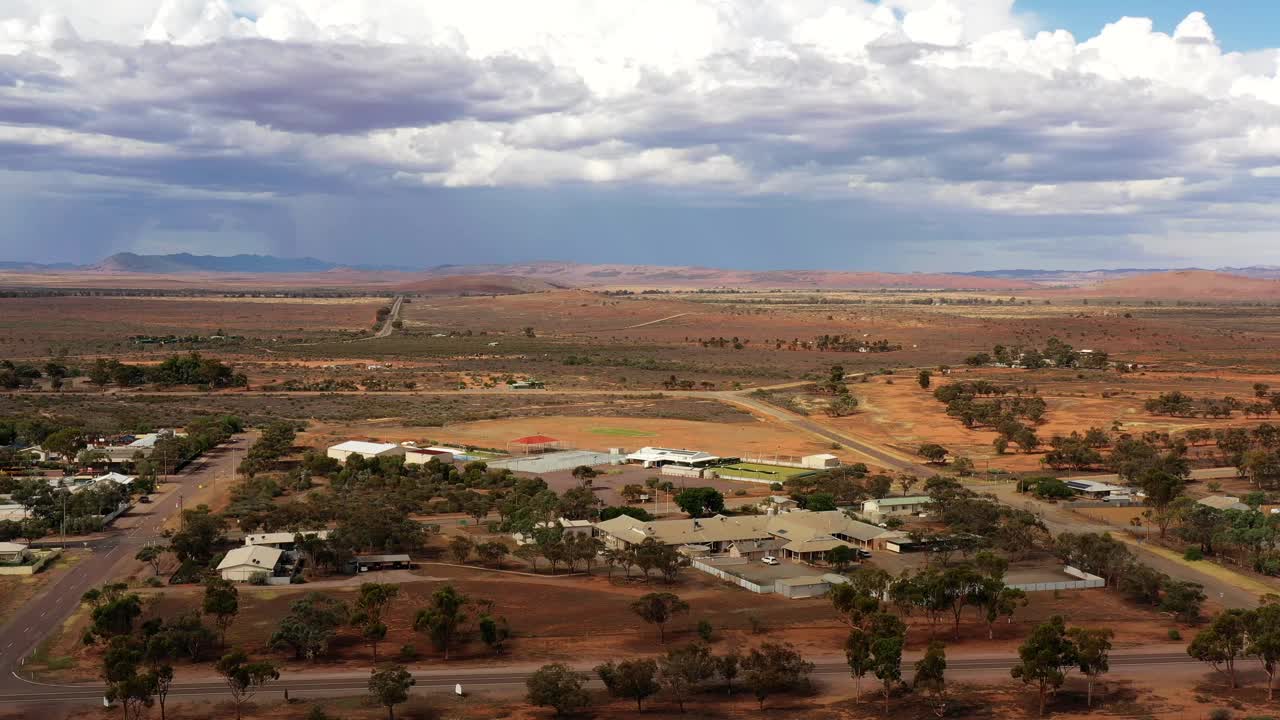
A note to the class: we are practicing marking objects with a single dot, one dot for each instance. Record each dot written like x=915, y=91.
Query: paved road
x=144, y=523
x=357, y=681
x=387, y=329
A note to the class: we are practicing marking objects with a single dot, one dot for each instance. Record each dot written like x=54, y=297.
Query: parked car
x=862, y=554
x=144, y=499
x=769, y=560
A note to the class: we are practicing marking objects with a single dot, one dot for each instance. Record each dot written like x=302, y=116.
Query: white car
x=769, y=560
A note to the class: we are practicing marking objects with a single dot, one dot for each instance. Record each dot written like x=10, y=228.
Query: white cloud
x=902, y=102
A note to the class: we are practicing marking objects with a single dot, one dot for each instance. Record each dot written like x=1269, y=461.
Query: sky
x=897, y=135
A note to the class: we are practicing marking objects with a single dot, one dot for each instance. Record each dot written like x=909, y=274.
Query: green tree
x=121, y=665
x=222, y=601
x=1045, y=657
x=888, y=636
x=857, y=652
x=243, y=677
x=443, y=617
x=658, y=609
x=728, y=666
x=931, y=674
x=700, y=501
x=774, y=668
x=1220, y=644
x=840, y=557
x=932, y=452
x=201, y=533
x=461, y=548
x=389, y=687
x=630, y=679
x=684, y=669
x=924, y=378
x=151, y=554
x=311, y=623
x=1093, y=654
x=559, y=687
x=112, y=613
x=494, y=632
x=1264, y=641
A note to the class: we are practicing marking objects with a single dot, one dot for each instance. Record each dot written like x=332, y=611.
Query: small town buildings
x=366, y=450
x=799, y=534
x=775, y=504
x=283, y=540
x=656, y=457
x=245, y=563
x=823, y=461
x=878, y=509
x=568, y=529
x=13, y=553
x=1223, y=502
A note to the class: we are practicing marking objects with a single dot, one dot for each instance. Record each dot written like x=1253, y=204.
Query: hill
x=1188, y=285
x=188, y=263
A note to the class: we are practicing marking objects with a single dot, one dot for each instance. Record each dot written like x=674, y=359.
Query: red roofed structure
x=535, y=444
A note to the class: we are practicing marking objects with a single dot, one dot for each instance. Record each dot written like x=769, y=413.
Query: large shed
x=534, y=444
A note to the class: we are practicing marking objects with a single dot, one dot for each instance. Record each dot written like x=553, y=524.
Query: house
x=366, y=450
x=526, y=385
x=821, y=461
x=422, y=456
x=1224, y=502
x=247, y=562
x=1096, y=490
x=802, y=587
x=652, y=457
x=876, y=510
x=115, y=477
x=568, y=529
x=370, y=563
x=13, y=553
x=775, y=504
x=283, y=540
x=39, y=454
x=799, y=534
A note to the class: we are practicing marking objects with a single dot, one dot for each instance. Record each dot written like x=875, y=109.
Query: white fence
x=780, y=460
x=740, y=582
x=1086, y=581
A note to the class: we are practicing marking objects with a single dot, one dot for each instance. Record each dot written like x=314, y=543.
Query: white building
x=12, y=553
x=1094, y=489
x=658, y=457
x=422, y=456
x=366, y=450
x=820, y=462
x=282, y=540
x=245, y=563
x=880, y=508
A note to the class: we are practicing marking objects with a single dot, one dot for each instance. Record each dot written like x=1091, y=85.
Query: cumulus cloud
x=922, y=105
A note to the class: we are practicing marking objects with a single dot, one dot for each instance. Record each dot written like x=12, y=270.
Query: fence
x=779, y=460
x=1086, y=581
x=1082, y=504
x=680, y=471
x=742, y=478
x=727, y=577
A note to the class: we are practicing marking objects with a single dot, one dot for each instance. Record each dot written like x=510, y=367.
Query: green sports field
x=620, y=432
x=764, y=472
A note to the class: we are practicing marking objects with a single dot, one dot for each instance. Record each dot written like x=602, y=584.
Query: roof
x=382, y=558
x=821, y=456
x=115, y=477
x=816, y=545
x=251, y=555
x=1094, y=486
x=10, y=547
x=1223, y=502
x=364, y=448
x=895, y=501
x=797, y=526
x=658, y=454
x=275, y=538
x=535, y=440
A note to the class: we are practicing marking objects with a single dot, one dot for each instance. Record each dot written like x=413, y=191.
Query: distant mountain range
x=127, y=262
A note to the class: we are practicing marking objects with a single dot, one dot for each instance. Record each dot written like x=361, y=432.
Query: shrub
x=1174, y=634
x=704, y=630
x=258, y=578
x=776, y=487
x=317, y=713
x=1220, y=714
x=1193, y=553
x=153, y=582
x=408, y=653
